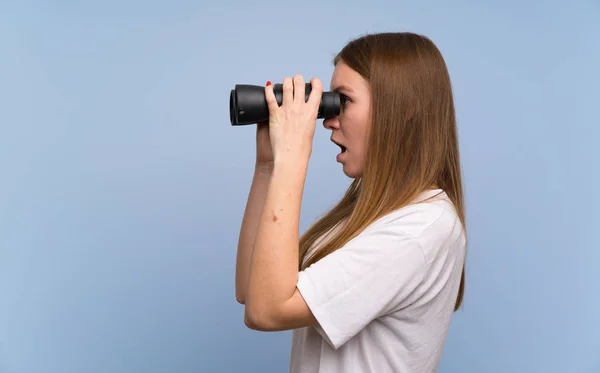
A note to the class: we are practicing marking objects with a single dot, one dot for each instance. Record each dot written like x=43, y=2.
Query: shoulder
x=431, y=220
x=430, y=212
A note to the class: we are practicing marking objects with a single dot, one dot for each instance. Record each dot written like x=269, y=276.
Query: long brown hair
x=412, y=142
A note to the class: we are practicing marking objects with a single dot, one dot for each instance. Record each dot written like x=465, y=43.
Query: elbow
x=240, y=294
x=250, y=321
x=240, y=298
x=258, y=320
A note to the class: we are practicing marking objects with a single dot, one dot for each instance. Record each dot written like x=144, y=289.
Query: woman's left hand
x=292, y=125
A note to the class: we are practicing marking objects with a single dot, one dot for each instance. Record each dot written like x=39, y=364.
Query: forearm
x=274, y=263
x=249, y=228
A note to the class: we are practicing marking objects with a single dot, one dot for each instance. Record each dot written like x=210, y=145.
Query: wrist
x=291, y=164
x=299, y=157
x=264, y=167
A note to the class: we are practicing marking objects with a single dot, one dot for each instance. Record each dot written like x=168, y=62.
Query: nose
x=331, y=123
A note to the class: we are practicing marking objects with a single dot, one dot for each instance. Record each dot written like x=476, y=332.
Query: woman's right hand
x=264, y=152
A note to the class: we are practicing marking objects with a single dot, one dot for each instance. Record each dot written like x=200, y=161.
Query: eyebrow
x=344, y=87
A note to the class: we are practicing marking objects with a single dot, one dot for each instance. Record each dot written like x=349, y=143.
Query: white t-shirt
x=384, y=301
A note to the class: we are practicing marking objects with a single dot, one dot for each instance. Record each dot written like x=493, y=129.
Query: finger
x=314, y=99
x=288, y=91
x=299, y=91
x=271, y=99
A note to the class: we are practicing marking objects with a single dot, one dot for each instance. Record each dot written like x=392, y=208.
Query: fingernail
x=268, y=83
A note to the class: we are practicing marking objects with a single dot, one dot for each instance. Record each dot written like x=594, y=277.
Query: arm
x=375, y=273
x=254, y=208
x=273, y=302
x=371, y=275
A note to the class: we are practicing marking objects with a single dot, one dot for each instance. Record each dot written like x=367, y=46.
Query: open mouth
x=342, y=147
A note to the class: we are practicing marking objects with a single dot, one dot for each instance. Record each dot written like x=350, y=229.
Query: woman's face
x=350, y=128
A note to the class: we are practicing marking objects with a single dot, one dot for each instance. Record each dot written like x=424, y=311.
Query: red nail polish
x=268, y=83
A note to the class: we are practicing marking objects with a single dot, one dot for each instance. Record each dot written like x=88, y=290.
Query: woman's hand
x=292, y=125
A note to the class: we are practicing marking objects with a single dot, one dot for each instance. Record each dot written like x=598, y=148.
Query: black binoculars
x=248, y=104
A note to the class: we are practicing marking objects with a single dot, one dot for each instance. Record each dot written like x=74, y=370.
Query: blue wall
x=123, y=185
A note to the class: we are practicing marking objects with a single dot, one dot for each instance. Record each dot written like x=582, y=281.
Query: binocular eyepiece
x=248, y=104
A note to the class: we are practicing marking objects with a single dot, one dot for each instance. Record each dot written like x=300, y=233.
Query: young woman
x=373, y=284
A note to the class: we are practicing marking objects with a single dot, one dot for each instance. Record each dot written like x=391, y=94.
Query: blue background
x=123, y=184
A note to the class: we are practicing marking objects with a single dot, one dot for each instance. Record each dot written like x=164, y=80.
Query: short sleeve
x=367, y=277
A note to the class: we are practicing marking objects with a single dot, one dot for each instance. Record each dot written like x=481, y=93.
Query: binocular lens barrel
x=248, y=104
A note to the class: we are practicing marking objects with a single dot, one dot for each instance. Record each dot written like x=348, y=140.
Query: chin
x=351, y=172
